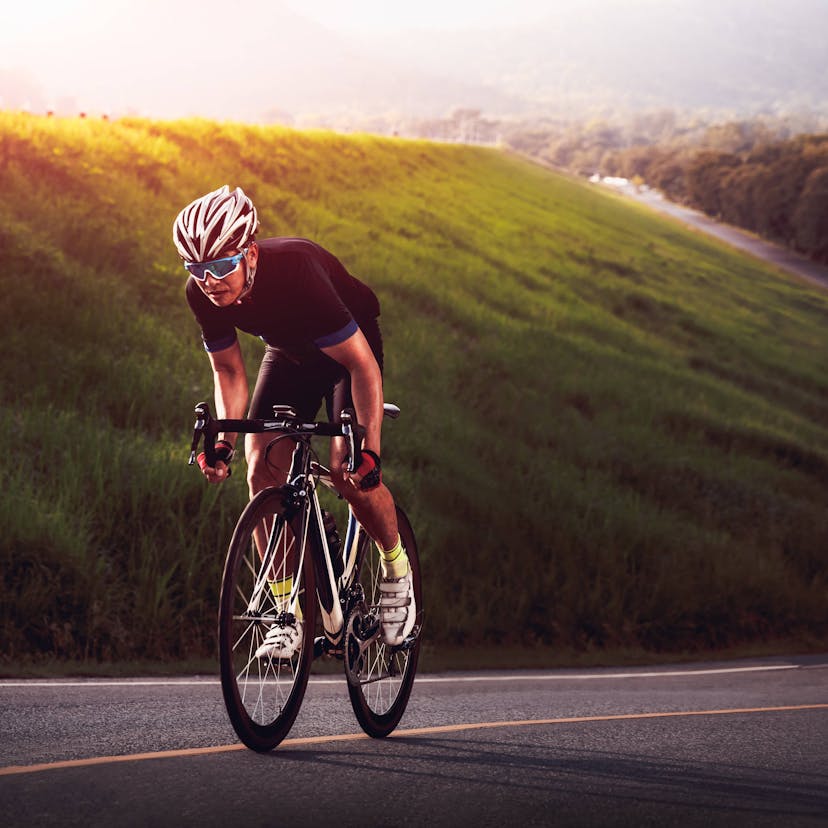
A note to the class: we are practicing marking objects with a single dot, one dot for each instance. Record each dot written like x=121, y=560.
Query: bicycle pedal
x=323, y=647
x=408, y=642
x=370, y=629
x=318, y=647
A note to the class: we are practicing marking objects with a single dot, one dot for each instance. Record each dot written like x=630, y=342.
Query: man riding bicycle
x=323, y=341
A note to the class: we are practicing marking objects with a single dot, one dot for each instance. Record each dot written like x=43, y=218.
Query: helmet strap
x=248, y=282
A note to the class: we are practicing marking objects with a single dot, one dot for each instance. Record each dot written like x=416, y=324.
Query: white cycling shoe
x=398, y=609
x=282, y=642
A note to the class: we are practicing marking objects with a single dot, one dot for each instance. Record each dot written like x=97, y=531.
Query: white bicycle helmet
x=215, y=223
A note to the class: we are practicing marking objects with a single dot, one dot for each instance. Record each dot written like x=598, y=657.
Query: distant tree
x=650, y=127
x=764, y=154
x=777, y=187
x=530, y=142
x=810, y=219
x=738, y=197
x=814, y=148
x=668, y=174
x=731, y=138
x=705, y=175
x=748, y=173
x=638, y=161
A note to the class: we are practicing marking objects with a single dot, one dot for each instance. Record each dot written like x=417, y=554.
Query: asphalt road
x=742, y=743
x=776, y=254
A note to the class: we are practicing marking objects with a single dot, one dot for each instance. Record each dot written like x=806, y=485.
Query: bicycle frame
x=331, y=590
x=333, y=593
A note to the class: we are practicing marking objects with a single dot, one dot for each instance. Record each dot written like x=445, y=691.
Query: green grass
x=614, y=430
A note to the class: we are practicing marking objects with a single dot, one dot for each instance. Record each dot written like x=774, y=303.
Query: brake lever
x=202, y=411
x=348, y=433
x=353, y=433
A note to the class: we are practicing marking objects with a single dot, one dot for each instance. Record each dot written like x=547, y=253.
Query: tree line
x=768, y=176
x=778, y=190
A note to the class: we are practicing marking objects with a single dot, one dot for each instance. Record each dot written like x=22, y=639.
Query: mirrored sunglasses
x=217, y=268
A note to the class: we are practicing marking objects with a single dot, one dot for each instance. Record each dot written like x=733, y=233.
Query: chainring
x=361, y=630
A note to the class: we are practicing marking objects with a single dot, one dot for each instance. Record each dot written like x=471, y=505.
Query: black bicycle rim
x=380, y=700
x=262, y=696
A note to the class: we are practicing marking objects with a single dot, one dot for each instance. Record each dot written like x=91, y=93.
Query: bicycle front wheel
x=386, y=675
x=268, y=586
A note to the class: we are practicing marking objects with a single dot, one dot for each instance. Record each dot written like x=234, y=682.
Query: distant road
x=773, y=253
x=717, y=744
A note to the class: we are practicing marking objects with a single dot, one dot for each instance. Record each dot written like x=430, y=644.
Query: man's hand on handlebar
x=221, y=471
x=369, y=474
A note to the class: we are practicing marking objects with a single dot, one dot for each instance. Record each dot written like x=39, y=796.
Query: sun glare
x=380, y=15
x=25, y=22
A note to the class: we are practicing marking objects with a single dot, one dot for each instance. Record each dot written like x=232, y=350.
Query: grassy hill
x=614, y=431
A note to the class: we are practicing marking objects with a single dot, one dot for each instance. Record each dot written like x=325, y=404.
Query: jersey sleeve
x=331, y=321
x=217, y=333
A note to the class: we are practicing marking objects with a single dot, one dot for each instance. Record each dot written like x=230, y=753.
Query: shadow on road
x=489, y=779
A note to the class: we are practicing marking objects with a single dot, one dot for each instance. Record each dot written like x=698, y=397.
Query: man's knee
x=346, y=488
x=268, y=464
x=343, y=486
x=260, y=477
x=357, y=496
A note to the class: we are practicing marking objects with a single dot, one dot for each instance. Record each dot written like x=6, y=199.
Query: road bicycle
x=286, y=562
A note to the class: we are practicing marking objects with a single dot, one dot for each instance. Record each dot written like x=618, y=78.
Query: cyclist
x=322, y=341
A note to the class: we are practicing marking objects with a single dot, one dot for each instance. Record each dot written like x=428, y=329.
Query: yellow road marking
x=414, y=731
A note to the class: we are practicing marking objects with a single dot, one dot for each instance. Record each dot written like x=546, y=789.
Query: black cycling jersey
x=302, y=299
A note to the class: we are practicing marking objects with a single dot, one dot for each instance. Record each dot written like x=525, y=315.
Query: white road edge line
x=584, y=676
x=426, y=679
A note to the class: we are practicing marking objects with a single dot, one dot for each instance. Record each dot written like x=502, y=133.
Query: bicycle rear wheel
x=263, y=694
x=386, y=674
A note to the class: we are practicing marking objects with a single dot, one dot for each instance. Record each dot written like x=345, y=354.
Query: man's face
x=226, y=291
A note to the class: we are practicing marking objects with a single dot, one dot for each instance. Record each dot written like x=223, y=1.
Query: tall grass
x=613, y=431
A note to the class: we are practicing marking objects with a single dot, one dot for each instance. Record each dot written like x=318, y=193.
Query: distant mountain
x=743, y=55
x=739, y=56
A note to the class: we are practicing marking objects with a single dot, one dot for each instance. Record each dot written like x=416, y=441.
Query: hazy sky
x=390, y=15
x=281, y=59
x=44, y=17
x=105, y=54
x=40, y=19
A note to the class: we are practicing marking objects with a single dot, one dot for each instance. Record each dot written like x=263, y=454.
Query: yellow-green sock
x=394, y=561
x=281, y=590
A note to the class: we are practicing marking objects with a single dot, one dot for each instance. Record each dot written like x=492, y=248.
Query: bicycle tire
x=263, y=695
x=380, y=699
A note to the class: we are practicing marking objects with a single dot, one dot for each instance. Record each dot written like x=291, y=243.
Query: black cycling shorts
x=303, y=383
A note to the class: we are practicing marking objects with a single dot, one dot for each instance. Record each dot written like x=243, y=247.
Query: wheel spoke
x=385, y=680
x=263, y=693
